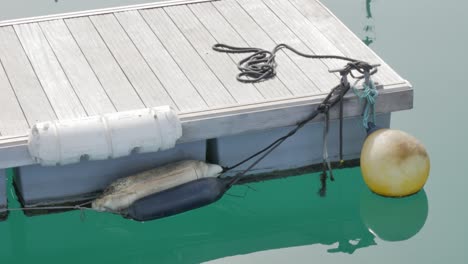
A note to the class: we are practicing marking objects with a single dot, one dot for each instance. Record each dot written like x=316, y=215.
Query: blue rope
x=368, y=93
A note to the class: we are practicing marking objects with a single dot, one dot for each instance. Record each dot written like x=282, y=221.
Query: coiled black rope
x=261, y=66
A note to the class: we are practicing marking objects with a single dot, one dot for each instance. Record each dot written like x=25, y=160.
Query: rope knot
x=323, y=108
x=369, y=93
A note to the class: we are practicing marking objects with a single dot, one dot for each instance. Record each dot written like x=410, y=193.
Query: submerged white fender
x=105, y=136
x=123, y=192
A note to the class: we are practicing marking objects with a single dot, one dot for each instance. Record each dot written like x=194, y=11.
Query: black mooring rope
x=261, y=66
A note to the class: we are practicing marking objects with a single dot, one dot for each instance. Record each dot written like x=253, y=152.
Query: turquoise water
x=284, y=220
x=279, y=214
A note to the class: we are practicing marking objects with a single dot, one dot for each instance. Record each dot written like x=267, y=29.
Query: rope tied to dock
x=261, y=66
x=368, y=93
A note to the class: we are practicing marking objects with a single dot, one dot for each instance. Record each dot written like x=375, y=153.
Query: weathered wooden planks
x=305, y=30
x=148, y=86
x=316, y=69
x=202, y=41
x=104, y=65
x=201, y=76
x=23, y=79
x=166, y=69
x=54, y=81
x=12, y=119
x=222, y=32
x=75, y=66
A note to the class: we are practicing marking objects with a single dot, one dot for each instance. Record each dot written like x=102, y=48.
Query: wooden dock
x=88, y=63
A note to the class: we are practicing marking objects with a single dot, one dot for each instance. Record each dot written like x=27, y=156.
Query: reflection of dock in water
x=369, y=28
x=278, y=214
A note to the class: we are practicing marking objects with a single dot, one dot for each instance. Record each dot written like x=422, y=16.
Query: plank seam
x=35, y=73
x=63, y=70
x=89, y=64
x=198, y=53
x=175, y=61
x=146, y=61
x=211, y=34
x=312, y=24
x=14, y=92
x=299, y=38
x=115, y=59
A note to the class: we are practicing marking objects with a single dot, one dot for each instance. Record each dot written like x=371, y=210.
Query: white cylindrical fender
x=105, y=136
x=123, y=192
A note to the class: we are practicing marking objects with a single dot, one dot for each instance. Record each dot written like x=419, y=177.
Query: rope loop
x=323, y=108
x=261, y=65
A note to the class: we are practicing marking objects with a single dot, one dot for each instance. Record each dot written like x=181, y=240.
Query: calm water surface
x=284, y=220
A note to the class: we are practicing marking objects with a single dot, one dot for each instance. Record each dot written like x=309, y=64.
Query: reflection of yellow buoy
x=394, y=163
x=394, y=219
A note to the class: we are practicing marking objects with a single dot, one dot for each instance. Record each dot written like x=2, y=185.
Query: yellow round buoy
x=394, y=163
